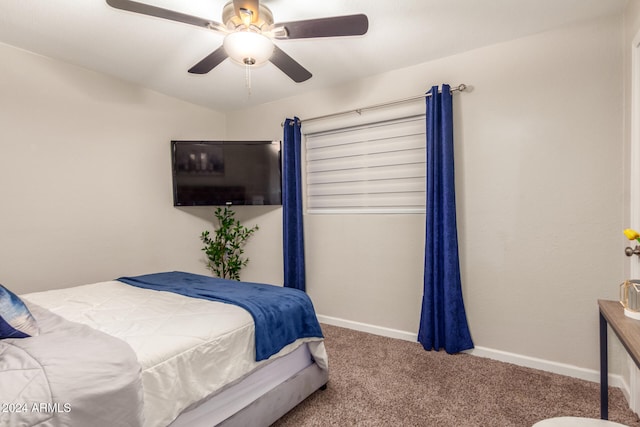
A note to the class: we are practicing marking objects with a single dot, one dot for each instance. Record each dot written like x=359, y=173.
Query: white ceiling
x=157, y=53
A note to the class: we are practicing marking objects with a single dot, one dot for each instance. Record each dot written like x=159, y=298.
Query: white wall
x=540, y=197
x=85, y=176
x=539, y=170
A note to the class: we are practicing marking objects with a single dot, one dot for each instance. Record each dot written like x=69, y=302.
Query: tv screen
x=217, y=173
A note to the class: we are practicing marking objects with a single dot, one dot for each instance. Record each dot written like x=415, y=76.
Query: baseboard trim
x=503, y=356
x=546, y=365
x=365, y=327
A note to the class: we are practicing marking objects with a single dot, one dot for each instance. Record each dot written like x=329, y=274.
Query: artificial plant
x=225, y=248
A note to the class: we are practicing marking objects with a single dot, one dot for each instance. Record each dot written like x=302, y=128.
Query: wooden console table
x=628, y=331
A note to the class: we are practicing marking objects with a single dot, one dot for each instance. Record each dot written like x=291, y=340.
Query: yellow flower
x=632, y=234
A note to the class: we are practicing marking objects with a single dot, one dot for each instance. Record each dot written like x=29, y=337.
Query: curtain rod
x=461, y=87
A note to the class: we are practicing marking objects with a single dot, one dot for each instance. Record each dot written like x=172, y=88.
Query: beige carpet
x=378, y=381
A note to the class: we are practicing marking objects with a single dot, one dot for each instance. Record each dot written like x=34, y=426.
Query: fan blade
x=251, y=5
x=289, y=66
x=337, y=26
x=209, y=62
x=158, y=12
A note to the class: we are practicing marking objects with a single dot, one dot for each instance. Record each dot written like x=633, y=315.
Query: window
x=373, y=168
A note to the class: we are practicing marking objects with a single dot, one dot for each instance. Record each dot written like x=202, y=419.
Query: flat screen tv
x=218, y=173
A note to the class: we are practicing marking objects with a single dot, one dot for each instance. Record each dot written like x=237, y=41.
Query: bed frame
x=262, y=397
x=273, y=405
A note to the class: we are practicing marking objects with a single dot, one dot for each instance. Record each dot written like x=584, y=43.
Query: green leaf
x=224, y=250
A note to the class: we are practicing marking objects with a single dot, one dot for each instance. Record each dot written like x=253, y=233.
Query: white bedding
x=188, y=348
x=64, y=376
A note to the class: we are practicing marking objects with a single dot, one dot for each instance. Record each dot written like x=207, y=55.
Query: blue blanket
x=281, y=315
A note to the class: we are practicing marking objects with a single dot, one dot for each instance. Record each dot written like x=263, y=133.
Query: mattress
x=188, y=348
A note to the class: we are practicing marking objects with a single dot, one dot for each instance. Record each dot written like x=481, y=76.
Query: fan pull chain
x=247, y=78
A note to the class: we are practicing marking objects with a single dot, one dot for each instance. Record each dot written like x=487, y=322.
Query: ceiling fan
x=250, y=32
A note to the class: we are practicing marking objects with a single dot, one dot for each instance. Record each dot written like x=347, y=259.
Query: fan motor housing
x=233, y=21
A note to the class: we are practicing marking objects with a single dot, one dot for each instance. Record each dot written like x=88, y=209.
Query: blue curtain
x=293, y=233
x=443, y=321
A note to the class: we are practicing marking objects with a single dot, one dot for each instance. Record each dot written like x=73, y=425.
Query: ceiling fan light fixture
x=250, y=31
x=248, y=47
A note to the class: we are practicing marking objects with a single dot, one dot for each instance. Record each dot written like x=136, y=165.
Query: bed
x=145, y=352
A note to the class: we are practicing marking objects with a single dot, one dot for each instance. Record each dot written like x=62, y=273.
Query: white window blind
x=374, y=168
